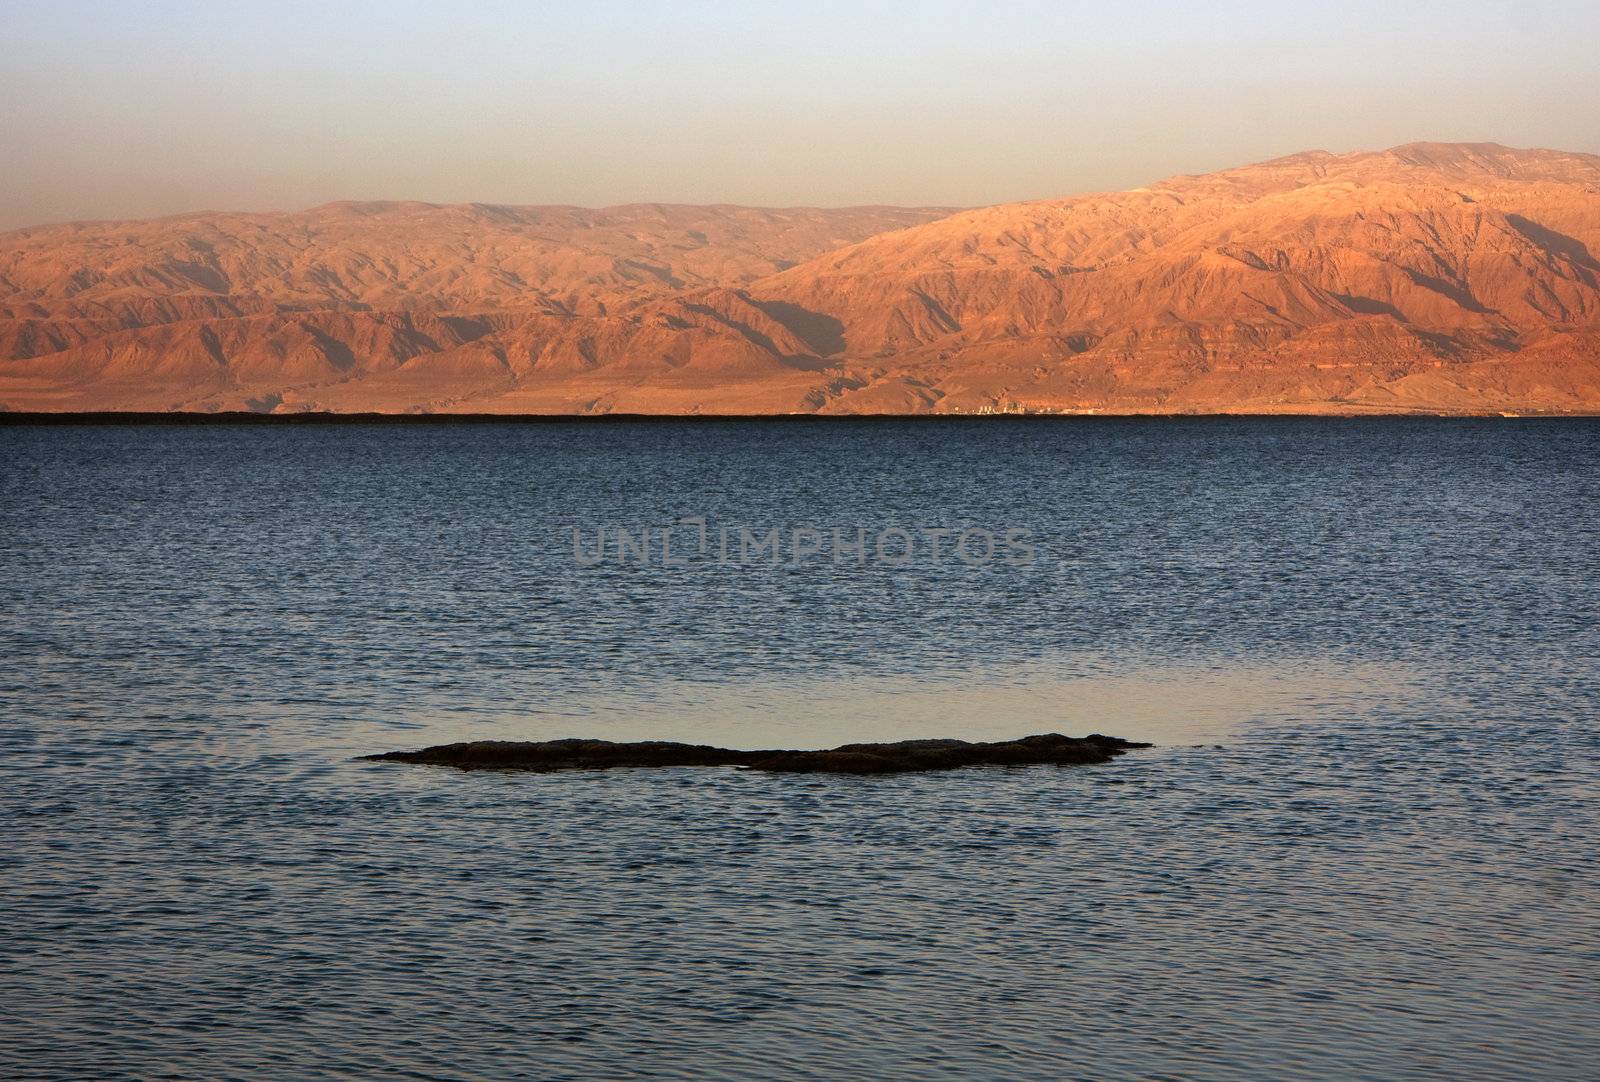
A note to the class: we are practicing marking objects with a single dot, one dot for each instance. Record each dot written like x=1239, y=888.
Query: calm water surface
x=1366, y=847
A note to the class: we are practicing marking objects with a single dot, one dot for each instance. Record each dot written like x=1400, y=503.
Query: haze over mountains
x=1430, y=277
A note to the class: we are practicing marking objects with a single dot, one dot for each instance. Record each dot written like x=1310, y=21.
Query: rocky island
x=895, y=758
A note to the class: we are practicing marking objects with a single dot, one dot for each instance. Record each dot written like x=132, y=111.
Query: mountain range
x=1432, y=277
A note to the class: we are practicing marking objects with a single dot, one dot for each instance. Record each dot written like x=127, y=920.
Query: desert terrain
x=1429, y=278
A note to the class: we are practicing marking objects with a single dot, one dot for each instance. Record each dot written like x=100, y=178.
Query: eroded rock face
x=900, y=757
x=1430, y=278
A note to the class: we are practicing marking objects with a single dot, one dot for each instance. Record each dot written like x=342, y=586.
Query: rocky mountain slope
x=1430, y=277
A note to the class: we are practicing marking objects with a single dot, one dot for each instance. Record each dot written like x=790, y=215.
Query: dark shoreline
x=22, y=419
x=905, y=756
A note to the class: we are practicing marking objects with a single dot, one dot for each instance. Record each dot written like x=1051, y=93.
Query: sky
x=115, y=110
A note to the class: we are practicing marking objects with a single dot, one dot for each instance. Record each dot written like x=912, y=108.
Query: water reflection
x=1164, y=703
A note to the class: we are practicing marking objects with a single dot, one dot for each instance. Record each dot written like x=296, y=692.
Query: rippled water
x=1365, y=848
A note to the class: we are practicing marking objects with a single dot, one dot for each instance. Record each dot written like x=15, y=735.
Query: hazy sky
x=137, y=108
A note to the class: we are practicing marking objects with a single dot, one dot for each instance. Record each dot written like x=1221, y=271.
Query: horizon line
x=1472, y=144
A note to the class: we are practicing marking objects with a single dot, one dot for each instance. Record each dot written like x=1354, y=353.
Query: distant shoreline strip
x=119, y=417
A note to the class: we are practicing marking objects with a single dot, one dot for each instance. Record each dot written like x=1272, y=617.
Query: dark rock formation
x=905, y=755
